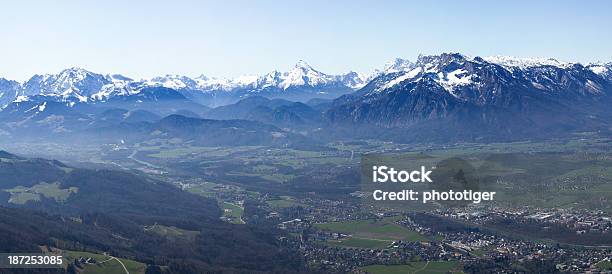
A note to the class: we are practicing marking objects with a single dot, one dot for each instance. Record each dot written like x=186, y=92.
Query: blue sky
x=231, y=38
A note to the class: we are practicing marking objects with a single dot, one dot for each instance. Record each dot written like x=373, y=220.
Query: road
x=124, y=268
x=114, y=258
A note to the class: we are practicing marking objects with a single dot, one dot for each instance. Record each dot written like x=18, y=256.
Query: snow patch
x=408, y=75
x=42, y=107
x=21, y=98
x=599, y=69
x=450, y=81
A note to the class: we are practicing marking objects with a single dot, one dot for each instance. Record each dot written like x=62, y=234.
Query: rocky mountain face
x=8, y=92
x=451, y=95
x=72, y=83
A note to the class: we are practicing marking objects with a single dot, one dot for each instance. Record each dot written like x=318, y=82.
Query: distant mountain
x=240, y=109
x=40, y=117
x=302, y=82
x=72, y=83
x=207, y=132
x=454, y=97
x=159, y=100
x=117, y=116
x=303, y=75
x=131, y=120
x=278, y=112
x=77, y=85
x=296, y=116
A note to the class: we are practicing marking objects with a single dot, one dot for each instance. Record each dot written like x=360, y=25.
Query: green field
x=361, y=243
x=232, y=211
x=383, y=229
x=283, y=202
x=178, y=152
x=414, y=267
x=206, y=189
x=105, y=264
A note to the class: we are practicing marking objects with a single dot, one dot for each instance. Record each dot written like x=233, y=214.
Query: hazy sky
x=230, y=38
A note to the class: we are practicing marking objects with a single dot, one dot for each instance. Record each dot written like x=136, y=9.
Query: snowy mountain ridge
x=453, y=70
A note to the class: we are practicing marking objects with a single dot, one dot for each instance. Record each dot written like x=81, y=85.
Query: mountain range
x=300, y=83
x=446, y=97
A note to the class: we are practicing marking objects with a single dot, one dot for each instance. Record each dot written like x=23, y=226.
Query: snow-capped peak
x=354, y=79
x=213, y=83
x=173, y=81
x=442, y=69
x=72, y=82
x=202, y=82
x=303, y=74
